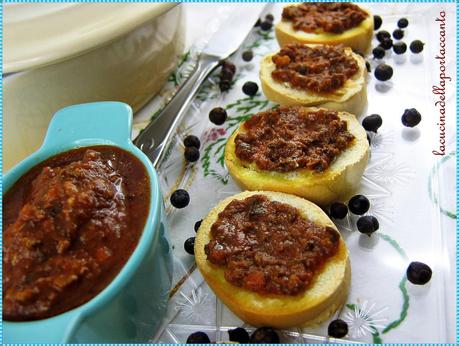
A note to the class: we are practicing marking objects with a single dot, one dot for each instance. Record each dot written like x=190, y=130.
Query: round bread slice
x=358, y=38
x=337, y=182
x=351, y=97
x=326, y=294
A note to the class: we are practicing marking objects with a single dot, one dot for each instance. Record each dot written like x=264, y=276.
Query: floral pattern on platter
x=365, y=319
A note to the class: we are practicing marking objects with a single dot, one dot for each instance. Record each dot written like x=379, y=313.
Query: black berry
x=379, y=52
x=250, y=88
x=247, y=55
x=399, y=47
x=189, y=245
x=258, y=22
x=359, y=204
x=338, y=210
x=377, y=22
x=381, y=35
x=191, y=154
x=386, y=43
x=192, y=141
x=198, y=338
x=264, y=335
x=418, y=273
x=398, y=34
x=368, y=139
x=383, y=72
x=402, y=23
x=239, y=335
x=367, y=64
x=372, y=122
x=416, y=46
x=197, y=225
x=411, y=117
x=367, y=224
x=228, y=65
x=337, y=329
x=266, y=25
x=180, y=198
x=226, y=74
x=269, y=17
x=224, y=85
x=218, y=115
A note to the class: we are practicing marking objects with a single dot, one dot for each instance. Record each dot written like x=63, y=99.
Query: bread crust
x=358, y=38
x=351, y=97
x=337, y=182
x=327, y=293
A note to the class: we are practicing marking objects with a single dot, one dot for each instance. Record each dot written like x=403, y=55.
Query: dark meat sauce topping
x=69, y=230
x=332, y=17
x=268, y=247
x=318, y=69
x=290, y=138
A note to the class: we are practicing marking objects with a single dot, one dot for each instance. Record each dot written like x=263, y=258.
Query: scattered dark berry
x=418, y=273
x=367, y=64
x=191, y=154
x=266, y=25
x=379, y=52
x=192, y=141
x=269, y=17
x=416, y=46
x=180, y=198
x=337, y=329
x=264, y=335
x=226, y=74
x=239, y=335
x=189, y=245
x=224, y=85
x=398, y=34
x=228, y=65
x=359, y=204
x=383, y=72
x=368, y=139
x=218, y=115
x=198, y=338
x=399, y=47
x=338, y=210
x=402, y=23
x=367, y=224
x=386, y=43
x=381, y=35
x=372, y=122
x=377, y=22
x=247, y=55
x=411, y=117
x=250, y=88
x=258, y=22
x=197, y=225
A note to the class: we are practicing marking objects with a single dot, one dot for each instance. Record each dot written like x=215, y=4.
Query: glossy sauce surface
x=70, y=224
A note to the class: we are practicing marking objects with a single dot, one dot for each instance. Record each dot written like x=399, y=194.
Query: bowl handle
x=107, y=121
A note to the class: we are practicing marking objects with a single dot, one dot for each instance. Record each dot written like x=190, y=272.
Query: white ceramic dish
x=61, y=54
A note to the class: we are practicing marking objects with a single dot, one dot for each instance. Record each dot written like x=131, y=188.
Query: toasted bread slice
x=327, y=293
x=358, y=38
x=351, y=97
x=337, y=182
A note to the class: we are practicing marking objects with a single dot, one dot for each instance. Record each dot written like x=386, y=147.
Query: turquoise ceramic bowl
x=131, y=307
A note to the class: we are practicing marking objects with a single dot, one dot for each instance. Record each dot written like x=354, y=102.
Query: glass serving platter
x=411, y=192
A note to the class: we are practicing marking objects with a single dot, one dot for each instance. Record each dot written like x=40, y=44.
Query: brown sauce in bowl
x=70, y=224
